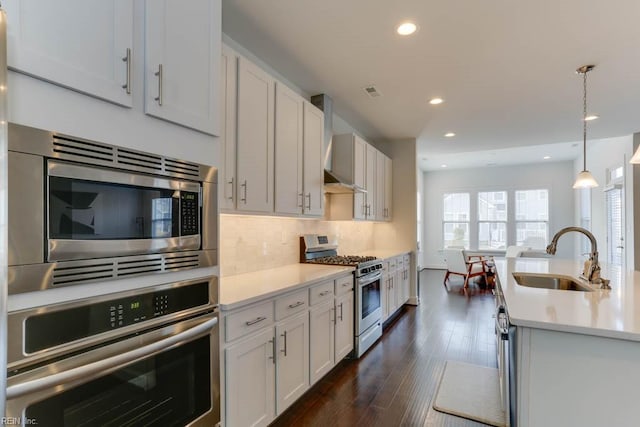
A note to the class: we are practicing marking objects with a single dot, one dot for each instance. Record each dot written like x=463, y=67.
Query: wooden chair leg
x=446, y=277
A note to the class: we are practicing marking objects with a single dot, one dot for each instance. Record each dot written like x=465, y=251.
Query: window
x=492, y=220
x=532, y=218
x=456, y=218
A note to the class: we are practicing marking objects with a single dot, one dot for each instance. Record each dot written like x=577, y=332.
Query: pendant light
x=585, y=179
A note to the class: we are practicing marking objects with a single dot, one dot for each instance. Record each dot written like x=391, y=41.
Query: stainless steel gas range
x=367, y=280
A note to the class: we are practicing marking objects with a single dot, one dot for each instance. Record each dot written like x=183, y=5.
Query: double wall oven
x=105, y=351
x=367, y=286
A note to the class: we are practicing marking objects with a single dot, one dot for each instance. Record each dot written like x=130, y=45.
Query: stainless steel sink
x=550, y=281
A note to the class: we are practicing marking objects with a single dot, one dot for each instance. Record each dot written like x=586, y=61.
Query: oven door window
x=370, y=298
x=172, y=388
x=90, y=210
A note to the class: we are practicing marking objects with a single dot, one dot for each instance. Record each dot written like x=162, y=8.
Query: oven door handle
x=110, y=364
x=366, y=280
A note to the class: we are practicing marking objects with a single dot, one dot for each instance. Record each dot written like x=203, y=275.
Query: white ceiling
x=506, y=68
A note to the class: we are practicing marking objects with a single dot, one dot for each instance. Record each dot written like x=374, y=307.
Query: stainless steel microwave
x=82, y=211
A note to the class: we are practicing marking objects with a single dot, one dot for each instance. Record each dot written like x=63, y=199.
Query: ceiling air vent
x=372, y=91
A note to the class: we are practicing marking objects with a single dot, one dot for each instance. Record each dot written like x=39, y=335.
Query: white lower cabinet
x=292, y=360
x=322, y=339
x=344, y=326
x=395, y=284
x=277, y=348
x=250, y=381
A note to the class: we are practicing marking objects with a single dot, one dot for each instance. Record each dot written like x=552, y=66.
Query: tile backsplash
x=251, y=243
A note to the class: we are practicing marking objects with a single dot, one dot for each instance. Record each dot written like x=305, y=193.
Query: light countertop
x=613, y=313
x=384, y=253
x=242, y=289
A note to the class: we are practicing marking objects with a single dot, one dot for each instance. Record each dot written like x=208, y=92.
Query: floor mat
x=472, y=392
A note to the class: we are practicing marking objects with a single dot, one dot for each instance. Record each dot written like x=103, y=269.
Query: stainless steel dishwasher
x=506, y=355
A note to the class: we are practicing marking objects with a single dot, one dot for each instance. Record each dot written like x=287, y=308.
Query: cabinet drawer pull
x=341, y=311
x=244, y=197
x=298, y=304
x=127, y=59
x=273, y=348
x=231, y=184
x=301, y=195
x=254, y=321
x=309, y=197
x=324, y=293
x=344, y=285
x=159, y=75
x=284, y=334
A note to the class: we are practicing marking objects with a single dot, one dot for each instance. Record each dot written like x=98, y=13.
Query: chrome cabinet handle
x=244, y=186
x=301, y=195
x=284, y=334
x=341, y=311
x=298, y=304
x=308, y=196
x=159, y=75
x=127, y=59
x=273, y=349
x=100, y=366
x=254, y=321
x=230, y=182
x=324, y=293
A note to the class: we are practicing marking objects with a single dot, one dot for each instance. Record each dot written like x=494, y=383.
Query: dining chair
x=458, y=263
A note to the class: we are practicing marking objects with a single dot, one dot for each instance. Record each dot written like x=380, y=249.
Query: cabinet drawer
x=321, y=292
x=344, y=285
x=243, y=322
x=406, y=259
x=291, y=304
x=393, y=264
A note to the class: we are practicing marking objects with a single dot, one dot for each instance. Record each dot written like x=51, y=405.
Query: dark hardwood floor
x=394, y=383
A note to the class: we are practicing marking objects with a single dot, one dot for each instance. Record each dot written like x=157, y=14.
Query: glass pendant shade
x=585, y=180
x=636, y=157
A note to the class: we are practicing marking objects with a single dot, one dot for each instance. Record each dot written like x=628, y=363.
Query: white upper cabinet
x=388, y=188
x=182, y=62
x=372, y=155
x=359, y=177
x=255, y=149
x=227, y=170
x=82, y=45
x=380, y=186
x=313, y=168
x=289, y=195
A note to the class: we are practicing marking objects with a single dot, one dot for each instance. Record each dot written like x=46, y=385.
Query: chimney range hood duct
x=333, y=183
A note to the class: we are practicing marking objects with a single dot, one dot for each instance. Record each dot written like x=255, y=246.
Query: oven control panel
x=189, y=213
x=54, y=328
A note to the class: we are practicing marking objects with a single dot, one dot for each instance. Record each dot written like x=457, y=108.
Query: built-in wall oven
x=82, y=211
x=147, y=357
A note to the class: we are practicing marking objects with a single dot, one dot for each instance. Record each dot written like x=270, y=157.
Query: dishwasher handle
x=108, y=364
x=502, y=322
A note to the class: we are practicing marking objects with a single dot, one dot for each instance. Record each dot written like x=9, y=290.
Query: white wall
x=556, y=176
x=602, y=155
x=36, y=103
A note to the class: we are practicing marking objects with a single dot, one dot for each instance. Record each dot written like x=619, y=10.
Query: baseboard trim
x=414, y=301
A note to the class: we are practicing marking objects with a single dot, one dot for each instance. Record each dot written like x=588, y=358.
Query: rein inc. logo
x=18, y=421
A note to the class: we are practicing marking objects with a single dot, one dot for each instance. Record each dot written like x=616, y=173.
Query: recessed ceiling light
x=591, y=117
x=436, y=101
x=449, y=135
x=443, y=166
x=407, y=28
x=546, y=157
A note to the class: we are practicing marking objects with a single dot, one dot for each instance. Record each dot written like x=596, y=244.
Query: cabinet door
x=289, y=197
x=313, y=161
x=384, y=293
x=182, y=62
x=83, y=45
x=321, y=339
x=393, y=292
x=380, y=186
x=344, y=326
x=254, y=191
x=388, y=187
x=359, y=177
x=228, y=99
x=371, y=157
x=250, y=381
x=292, y=367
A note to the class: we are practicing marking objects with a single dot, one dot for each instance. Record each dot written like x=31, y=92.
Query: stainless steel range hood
x=333, y=183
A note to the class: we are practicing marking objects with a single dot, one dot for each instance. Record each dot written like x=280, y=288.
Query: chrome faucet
x=591, y=272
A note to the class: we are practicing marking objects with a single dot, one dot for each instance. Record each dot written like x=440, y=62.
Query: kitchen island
x=577, y=353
